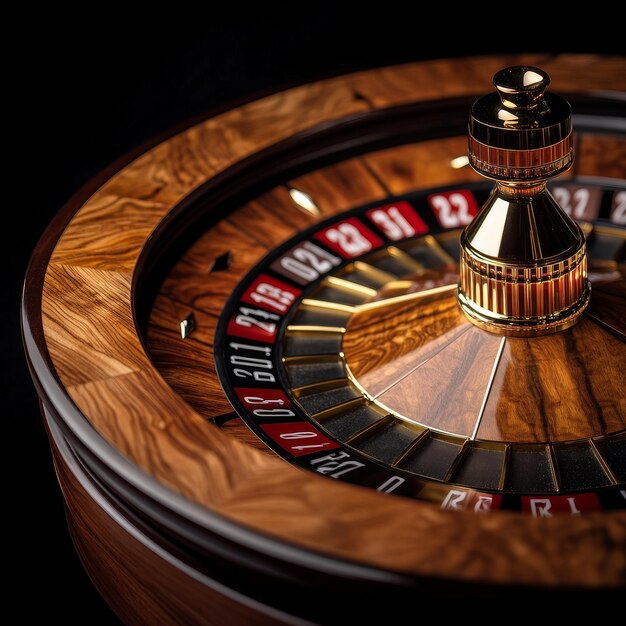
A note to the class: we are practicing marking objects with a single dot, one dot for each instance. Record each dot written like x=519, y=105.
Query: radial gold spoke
x=605, y=325
x=456, y=463
x=439, y=249
x=554, y=468
x=605, y=466
x=407, y=297
x=342, y=407
x=370, y=429
x=405, y=259
x=295, y=328
x=323, y=304
x=348, y=285
x=381, y=275
x=423, y=362
x=317, y=387
x=504, y=470
x=411, y=448
x=307, y=359
x=494, y=370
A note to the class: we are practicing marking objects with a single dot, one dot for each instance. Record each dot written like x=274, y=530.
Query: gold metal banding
x=432, y=243
x=554, y=468
x=348, y=285
x=525, y=300
x=523, y=265
x=324, y=385
x=324, y=304
x=355, y=382
x=605, y=466
x=316, y=329
x=536, y=164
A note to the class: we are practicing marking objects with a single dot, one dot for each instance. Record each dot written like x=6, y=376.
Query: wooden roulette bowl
x=208, y=307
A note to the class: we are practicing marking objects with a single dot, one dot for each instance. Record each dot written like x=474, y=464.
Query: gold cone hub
x=523, y=266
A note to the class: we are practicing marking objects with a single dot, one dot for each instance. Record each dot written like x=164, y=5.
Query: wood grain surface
x=600, y=155
x=140, y=581
x=422, y=359
x=96, y=352
x=560, y=387
x=423, y=165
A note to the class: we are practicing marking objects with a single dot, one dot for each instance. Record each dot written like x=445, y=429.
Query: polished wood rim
x=92, y=369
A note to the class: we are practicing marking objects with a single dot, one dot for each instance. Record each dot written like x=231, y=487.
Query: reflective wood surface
x=154, y=415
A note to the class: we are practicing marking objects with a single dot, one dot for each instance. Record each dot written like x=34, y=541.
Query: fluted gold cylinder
x=524, y=301
x=523, y=265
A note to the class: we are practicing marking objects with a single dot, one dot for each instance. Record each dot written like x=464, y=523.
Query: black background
x=82, y=96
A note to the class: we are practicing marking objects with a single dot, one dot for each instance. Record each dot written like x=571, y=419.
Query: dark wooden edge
x=175, y=511
x=311, y=149
x=321, y=145
x=252, y=578
x=132, y=523
x=96, y=451
x=183, y=518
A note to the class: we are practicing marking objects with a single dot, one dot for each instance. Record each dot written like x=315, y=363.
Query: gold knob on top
x=521, y=133
x=523, y=267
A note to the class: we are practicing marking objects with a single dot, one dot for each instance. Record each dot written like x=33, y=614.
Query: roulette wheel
x=284, y=355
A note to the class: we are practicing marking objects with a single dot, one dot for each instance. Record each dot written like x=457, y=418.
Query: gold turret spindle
x=523, y=266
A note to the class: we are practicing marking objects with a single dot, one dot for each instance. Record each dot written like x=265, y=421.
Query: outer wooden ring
x=93, y=373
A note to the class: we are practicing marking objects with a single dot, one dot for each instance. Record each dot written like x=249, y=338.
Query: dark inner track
x=304, y=152
x=436, y=456
x=196, y=214
x=362, y=133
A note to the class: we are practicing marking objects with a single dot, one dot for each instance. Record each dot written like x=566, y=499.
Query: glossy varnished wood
x=168, y=349
x=607, y=308
x=194, y=284
x=97, y=355
x=420, y=358
x=421, y=166
x=192, y=287
x=381, y=343
x=341, y=186
x=196, y=381
x=442, y=79
x=141, y=582
x=601, y=155
x=571, y=377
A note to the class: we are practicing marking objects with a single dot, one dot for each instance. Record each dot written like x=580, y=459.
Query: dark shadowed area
x=92, y=93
